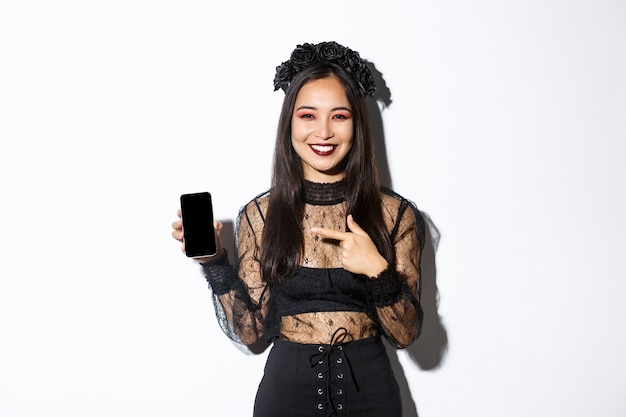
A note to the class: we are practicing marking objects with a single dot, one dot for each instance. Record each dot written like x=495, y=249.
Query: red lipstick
x=323, y=150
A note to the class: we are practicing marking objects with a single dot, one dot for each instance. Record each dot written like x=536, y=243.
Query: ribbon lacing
x=326, y=355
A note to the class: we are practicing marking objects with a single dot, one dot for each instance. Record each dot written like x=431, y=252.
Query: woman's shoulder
x=251, y=215
x=398, y=210
x=256, y=207
x=393, y=201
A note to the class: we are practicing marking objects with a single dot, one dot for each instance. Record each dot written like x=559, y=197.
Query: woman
x=328, y=262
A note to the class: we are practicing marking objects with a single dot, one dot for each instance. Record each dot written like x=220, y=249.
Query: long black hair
x=283, y=239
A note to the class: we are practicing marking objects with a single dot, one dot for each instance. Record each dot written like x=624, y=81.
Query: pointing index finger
x=329, y=233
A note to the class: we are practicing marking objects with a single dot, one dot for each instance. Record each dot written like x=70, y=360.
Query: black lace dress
x=323, y=312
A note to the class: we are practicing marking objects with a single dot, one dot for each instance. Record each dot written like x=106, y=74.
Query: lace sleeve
x=396, y=291
x=240, y=295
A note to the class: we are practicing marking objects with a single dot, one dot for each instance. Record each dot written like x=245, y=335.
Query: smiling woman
x=328, y=261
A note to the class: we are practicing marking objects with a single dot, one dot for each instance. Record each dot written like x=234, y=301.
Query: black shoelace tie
x=328, y=355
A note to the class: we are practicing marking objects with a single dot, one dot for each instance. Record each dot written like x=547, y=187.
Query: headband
x=308, y=54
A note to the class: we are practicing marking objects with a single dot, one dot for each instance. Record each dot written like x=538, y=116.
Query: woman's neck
x=324, y=193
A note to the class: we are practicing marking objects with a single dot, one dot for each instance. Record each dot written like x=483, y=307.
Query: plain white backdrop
x=507, y=126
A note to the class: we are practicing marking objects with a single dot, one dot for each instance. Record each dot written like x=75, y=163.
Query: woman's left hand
x=359, y=255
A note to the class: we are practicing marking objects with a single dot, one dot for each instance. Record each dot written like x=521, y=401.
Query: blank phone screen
x=197, y=216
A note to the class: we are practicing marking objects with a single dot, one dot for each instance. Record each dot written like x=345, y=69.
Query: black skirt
x=351, y=379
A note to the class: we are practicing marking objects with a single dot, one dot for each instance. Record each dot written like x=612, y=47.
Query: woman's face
x=322, y=129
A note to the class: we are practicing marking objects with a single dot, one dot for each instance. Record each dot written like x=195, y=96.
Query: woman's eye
x=306, y=116
x=341, y=116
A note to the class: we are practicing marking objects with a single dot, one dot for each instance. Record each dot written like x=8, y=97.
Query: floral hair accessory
x=309, y=54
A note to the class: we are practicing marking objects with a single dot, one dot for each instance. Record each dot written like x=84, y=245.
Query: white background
x=507, y=126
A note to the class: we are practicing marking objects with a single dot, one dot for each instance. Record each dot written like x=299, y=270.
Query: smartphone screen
x=197, y=216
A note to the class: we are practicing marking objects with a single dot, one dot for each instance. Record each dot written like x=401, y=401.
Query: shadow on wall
x=428, y=351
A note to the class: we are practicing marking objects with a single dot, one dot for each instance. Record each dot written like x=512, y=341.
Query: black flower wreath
x=308, y=54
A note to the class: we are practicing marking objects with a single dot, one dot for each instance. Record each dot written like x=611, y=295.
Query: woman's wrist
x=379, y=266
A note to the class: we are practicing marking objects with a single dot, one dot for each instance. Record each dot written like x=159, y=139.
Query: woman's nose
x=325, y=131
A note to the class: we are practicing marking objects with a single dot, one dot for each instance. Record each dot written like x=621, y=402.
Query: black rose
x=303, y=55
x=331, y=51
x=366, y=81
x=284, y=75
x=352, y=60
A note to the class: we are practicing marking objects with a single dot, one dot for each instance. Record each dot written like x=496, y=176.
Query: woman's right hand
x=179, y=235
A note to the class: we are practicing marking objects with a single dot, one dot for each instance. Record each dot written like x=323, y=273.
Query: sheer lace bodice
x=322, y=297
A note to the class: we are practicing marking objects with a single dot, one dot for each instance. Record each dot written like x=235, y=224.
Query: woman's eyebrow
x=315, y=108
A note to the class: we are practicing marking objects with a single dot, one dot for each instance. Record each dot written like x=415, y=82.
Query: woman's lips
x=323, y=150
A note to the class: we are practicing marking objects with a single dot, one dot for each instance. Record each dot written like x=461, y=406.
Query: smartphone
x=197, y=216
